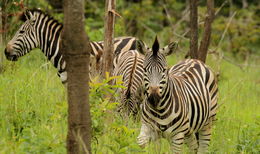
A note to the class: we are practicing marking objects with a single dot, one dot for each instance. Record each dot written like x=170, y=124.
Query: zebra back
x=130, y=67
x=191, y=69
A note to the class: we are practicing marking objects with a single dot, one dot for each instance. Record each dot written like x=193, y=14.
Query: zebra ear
x=23, y=17
x=155, y=47
x=29, y=15
x=140, y=46
x=169, y=49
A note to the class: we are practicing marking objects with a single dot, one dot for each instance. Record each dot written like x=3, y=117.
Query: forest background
x=33, y=103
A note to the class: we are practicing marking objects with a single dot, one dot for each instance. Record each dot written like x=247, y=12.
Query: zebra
x=130, y=66
x=40, y=30
x=179, y=104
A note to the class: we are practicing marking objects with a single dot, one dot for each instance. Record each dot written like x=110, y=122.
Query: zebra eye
x=164, y=69
x=22, y=31
x=163, y=82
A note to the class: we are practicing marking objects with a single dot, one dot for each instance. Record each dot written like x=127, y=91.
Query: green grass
x=33, y=113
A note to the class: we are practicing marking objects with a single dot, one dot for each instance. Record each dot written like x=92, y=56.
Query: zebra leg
x=204, y=137
x=145, y=135
x=177, y=142
x=192, y=143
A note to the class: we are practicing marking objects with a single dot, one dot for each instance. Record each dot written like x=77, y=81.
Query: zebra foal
x=179, y=103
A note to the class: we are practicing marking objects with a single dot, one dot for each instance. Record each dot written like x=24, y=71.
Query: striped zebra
x=179, y=103
x=130, y=66
x=40, y=30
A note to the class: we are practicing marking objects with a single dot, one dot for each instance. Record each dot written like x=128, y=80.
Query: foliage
x=169, y=20
x=12, y=9
x=33, y=104
x=242, y=39
x=101, y=102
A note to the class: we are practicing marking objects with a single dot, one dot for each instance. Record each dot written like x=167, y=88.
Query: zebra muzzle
x=154, y=99
x=10, y=56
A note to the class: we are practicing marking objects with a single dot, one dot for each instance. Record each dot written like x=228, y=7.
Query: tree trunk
x=109, y=35
x=1, y=41
x=245, y=4
x=193, y=29
x=3, y=29
x=205, y=41
x=76, y=48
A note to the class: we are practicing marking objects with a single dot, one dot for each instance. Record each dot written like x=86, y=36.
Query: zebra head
x=24, y=40
x=155, y=69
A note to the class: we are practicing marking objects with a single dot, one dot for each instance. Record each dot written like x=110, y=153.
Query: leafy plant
x=102, y=102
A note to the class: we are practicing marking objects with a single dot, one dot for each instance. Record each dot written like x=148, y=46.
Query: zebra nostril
x=10, y=55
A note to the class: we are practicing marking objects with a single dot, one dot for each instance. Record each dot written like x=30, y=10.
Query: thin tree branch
x=194, y=29
x=204, y=45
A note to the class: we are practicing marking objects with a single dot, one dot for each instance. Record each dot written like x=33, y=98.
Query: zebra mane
x=155, y=47
x=35, y=10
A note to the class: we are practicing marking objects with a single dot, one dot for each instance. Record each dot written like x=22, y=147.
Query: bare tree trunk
x=1, y=41
x=193, y=29
x=3, y=29
x=109, y=35
x=205, y=41
x=76, y=48
x=245, y=4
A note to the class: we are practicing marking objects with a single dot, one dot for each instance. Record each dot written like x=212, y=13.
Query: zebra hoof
x=142, y=141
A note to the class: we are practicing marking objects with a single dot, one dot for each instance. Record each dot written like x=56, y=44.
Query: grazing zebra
x=179, y=103
x=39, y=30
x=130, y=66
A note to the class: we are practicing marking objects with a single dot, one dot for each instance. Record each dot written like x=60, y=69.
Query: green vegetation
x=33, y=105
x=34, y=109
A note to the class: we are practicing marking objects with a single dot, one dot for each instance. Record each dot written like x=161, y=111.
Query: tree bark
x=109, y=35
x=245, y=4
x=193, y=29
x=3, y=29
x=76, y=48
x=205, y=41
x=1, y=41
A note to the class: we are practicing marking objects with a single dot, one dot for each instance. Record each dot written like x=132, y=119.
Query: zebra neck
x=167, y=95
x=49, y=40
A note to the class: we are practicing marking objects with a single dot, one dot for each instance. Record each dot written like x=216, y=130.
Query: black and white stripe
x=129, y=65
x=42, y=31
x=180, y=103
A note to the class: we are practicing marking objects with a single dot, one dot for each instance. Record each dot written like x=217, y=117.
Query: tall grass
x=33, y=113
